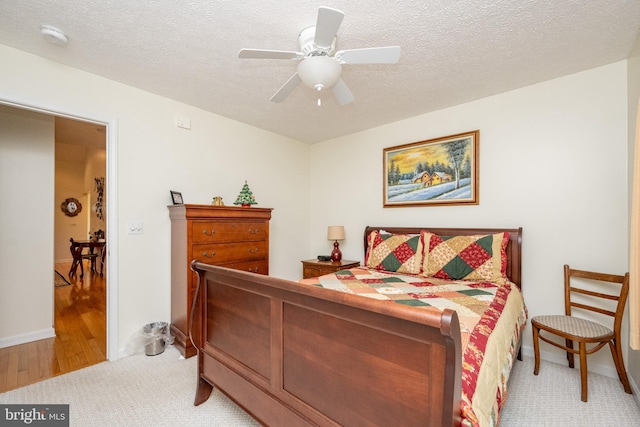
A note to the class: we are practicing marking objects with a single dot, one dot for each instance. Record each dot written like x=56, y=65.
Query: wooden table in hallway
x=77, y=248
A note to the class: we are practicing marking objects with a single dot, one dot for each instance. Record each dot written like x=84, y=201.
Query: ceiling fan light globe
x=319, y=70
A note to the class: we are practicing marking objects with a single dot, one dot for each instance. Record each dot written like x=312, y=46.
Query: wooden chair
x=103, y=255
x=79, y=256
x=573, y=328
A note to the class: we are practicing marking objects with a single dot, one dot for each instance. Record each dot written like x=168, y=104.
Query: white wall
x=75, y=178
x=26, y=226
x=69, y=182
x=553, y=159
x=214, y=158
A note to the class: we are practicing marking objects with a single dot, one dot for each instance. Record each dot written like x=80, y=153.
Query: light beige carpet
x=552, y=398
x=159, y=391
x=135, y=391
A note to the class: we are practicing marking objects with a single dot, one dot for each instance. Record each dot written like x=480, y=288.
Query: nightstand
x=315, y=268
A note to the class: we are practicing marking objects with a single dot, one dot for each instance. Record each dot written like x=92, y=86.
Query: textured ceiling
x=453, y=51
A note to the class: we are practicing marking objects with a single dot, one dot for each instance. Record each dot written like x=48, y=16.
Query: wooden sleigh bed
x=291, y=354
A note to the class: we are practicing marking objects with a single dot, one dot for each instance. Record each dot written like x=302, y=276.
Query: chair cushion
x=573, y=325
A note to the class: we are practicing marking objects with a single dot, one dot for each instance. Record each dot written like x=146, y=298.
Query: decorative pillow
x=396, y=253
x=480, y=257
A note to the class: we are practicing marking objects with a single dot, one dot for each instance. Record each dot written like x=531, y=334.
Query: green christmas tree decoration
x=245, y=198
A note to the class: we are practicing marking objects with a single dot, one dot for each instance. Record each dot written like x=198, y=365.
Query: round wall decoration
x=71, y=207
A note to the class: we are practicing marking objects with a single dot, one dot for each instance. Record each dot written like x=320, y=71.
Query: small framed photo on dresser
x=176, y=197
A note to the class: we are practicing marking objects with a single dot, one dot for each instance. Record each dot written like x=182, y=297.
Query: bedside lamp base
x=336, y=255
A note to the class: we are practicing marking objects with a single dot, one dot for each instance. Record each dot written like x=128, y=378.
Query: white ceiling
x=453, y=51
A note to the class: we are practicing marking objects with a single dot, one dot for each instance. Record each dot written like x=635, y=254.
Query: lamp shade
x=335, y=232
x=319, y=72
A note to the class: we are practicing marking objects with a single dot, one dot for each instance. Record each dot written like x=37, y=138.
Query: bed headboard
x=514, y=247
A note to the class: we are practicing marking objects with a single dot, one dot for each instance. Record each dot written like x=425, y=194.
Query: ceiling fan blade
x=370, y=55
x=327, y=25
x=342, y=93
x=269, y=54
x=286, y=89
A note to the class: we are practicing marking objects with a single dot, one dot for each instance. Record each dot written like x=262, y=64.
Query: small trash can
x=156, y=333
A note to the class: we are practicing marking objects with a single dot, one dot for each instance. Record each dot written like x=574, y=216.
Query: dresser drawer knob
x=213, y=253
x=253, y=270
x=254, y=230
x=209, y=234
x=253, y=251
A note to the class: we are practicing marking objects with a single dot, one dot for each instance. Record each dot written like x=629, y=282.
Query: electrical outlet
x=134, y=227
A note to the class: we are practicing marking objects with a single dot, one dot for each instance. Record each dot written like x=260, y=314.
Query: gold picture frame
x=435, y=172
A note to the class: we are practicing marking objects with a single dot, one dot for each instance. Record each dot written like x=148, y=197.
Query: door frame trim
x=111, y=208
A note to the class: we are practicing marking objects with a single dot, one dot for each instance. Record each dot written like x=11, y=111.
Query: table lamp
x=335, y=233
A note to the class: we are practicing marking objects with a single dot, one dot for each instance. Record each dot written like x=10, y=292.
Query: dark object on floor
x=59, y=280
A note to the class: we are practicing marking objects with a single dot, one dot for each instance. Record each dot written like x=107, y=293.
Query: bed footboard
x=292, y=354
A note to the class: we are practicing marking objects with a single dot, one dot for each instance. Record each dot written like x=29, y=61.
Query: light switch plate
x=134, y=227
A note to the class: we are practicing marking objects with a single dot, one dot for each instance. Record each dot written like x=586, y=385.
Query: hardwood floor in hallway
x=81, y=334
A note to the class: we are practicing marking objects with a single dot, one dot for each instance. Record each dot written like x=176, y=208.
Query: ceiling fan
x=320, y=65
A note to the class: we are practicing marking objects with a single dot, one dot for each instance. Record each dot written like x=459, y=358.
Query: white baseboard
x=25, y=338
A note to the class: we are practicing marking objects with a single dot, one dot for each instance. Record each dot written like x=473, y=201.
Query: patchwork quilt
x=491, y=315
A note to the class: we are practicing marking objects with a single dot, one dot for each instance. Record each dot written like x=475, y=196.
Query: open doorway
x=80, y=170
x=80, y=316
x=37, y=342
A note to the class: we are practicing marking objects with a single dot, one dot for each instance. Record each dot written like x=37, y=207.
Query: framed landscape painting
x=441, y=171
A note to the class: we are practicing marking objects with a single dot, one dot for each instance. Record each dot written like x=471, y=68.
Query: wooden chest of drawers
x=232, y=237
